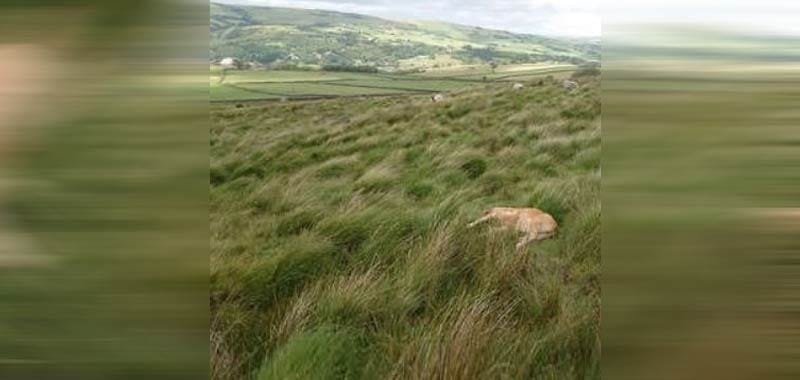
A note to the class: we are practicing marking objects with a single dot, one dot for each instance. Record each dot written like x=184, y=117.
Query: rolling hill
x=289, y=38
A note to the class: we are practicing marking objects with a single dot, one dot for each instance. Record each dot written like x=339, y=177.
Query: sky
x=571, y=18
x=566, y=18
x=762, y=16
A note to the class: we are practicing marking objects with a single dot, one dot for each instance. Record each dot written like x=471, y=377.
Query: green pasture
x=246, y=85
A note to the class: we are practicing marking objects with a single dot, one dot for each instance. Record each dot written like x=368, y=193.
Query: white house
x=229, y=63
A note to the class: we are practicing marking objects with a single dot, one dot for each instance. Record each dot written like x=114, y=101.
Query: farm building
x=229, y=63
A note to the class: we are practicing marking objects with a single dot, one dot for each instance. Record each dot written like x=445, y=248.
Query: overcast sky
x=773, y=16
x=577, y=18
x=569, y=17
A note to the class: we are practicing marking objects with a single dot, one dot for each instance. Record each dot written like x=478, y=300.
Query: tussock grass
x=340, y=247
x=324, y=353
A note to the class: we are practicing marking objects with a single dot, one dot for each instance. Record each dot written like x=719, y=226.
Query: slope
x=340, y=248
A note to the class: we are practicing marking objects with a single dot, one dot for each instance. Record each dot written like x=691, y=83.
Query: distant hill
x=281, y=37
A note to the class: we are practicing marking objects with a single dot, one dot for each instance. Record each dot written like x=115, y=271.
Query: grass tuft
x=474, y=168
x=325, y=353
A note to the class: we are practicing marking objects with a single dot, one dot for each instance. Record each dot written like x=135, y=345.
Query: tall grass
x=340, y=247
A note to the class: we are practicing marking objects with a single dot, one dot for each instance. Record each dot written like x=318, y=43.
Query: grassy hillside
x=340, y=247
x=299, y=37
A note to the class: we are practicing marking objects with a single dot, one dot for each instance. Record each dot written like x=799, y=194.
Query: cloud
x=574, y=24
x=778, y=16
x=547, y=17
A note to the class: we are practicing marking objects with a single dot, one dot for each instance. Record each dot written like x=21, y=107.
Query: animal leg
x=546, y=235
x=480, y=220
x=525, y=240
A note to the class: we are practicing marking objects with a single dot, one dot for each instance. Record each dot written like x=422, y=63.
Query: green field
x=339, y=240
x=243, y=85
x=287, y=53
x=501, y=72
